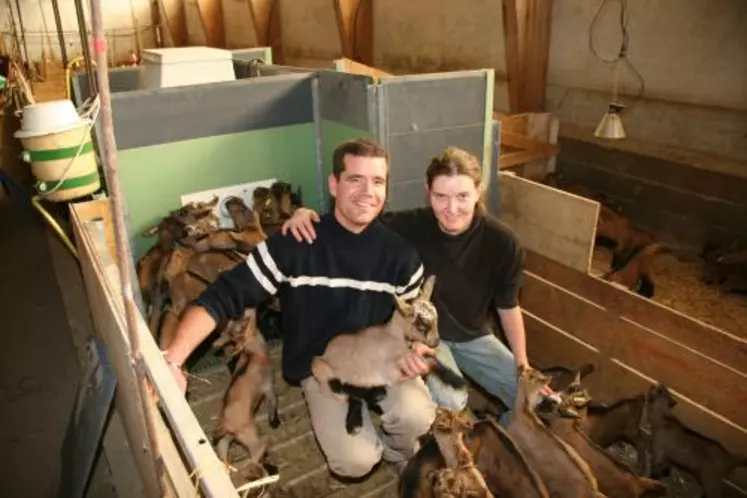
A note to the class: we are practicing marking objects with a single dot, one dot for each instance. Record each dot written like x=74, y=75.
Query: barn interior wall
x=683, y=205
x=153, y=178
x=691, y=56
x=128, y=26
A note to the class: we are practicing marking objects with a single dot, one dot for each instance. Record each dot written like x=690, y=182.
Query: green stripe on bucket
x=80, y=181
x=37, y=156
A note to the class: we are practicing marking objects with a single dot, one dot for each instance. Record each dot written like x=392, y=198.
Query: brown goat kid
x=563, y=471
x=253, y=380
x=501, y=463
x=621, y=421
x=635, y=271
x=673, y=443
x=615, y=479
x=461, y=477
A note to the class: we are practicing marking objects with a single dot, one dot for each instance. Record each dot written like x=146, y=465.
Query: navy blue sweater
x=341, y=283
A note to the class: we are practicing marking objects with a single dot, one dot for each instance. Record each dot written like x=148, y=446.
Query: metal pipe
x=85, y=47
x=23, y=33
x=58, y=23
x=151, y=475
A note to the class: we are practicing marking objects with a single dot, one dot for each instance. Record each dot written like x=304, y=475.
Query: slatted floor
x=292, y=446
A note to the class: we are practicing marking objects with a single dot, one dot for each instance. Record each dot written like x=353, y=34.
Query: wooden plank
x=560, y=225
x=534, y=32
x=102, y=283
x=238, y=24
x=266, y=16
x=511, y=159
x=346, y=11
x=173, y=16
x=549, y=345
x=350, y=66
x=178, y=477
x=513, y=57
x=526, y=142
x=710, y=341
x=118, y=350
x=700, y=378
x=211, y=12
x=309, y=30
x=196, y=33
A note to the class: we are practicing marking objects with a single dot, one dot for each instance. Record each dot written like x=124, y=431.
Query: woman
x=478, y=264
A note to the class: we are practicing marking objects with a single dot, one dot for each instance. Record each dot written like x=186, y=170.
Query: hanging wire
x=622, y=54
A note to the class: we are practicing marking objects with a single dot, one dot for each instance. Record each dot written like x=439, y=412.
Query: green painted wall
x=332, y=134
x=154, y=177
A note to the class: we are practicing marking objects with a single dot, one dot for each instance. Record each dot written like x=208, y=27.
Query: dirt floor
x=292, y=446
x=45, y=326
x=679, y=287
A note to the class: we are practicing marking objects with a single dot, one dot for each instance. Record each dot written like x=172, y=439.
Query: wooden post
x=124, y=257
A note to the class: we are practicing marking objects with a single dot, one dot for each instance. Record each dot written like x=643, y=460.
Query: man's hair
x=359, y=147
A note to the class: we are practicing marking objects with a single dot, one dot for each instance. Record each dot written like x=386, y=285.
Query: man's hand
x=177, y=371
x=413, y=364
x=301, y=225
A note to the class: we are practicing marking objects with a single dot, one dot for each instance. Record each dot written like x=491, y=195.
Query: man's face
x=360, y=192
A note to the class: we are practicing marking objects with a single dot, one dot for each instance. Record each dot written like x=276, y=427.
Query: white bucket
x=57, y=143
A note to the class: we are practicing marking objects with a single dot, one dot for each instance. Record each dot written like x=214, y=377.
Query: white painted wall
x=120, y=17
x=692, y=55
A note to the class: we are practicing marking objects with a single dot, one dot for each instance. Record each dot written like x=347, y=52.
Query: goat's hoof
x=274, y=421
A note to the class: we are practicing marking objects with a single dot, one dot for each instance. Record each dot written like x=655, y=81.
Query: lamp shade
x=610, y=127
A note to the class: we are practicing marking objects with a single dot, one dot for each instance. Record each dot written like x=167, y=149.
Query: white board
x=548, y=221
x=243, y=190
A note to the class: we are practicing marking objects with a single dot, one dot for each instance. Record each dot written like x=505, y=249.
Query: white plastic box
x=179, y=66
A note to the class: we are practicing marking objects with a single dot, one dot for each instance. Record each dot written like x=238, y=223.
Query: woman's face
x=453, y=199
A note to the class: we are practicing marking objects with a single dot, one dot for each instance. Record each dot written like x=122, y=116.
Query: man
x=344, y=282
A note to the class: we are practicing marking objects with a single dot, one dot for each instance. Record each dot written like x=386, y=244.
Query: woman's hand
x=301, y=225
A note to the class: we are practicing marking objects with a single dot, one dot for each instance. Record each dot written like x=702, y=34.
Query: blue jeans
x=487, y=361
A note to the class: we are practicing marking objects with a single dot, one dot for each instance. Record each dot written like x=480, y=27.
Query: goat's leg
x=658, y=463
x=323, y=373
x=221, y=448
x=249, y=437
x=643, y=449
x=354, y=417
x=271, y=399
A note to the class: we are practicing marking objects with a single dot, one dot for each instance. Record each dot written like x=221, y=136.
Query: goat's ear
x=403, y=307
x=575, y=383
x=427, y=290
x=149, y=232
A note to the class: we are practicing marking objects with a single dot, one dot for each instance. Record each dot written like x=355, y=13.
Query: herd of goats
x=553, y=446
x=635, y=249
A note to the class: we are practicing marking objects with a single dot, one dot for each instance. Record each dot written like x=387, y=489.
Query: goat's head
x=660, y=400
x=282, y=192
x=451, y=422
x=265, y=204
x=421, y=315
x=456, y=483
x=198, y=209
x=531, y=382
x=242, y=217
x=240, y=334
